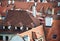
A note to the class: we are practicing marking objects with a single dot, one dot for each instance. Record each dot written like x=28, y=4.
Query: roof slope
x=15, y=17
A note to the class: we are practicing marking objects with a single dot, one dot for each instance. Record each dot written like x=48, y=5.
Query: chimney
x=28, y=0
x=44, y=1
x=54, y=32
x=13, y=1
x=9, y=2
x=34, y=9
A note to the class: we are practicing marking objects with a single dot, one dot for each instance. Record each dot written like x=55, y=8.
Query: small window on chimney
x=54, y=36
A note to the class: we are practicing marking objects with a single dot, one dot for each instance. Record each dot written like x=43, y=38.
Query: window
x=54, y=36
x=6, y=27
x=6, y=38
x=9, y=27
x=1, y=27
x=41, y=0
x=3, y=17
x=15, y=28
x=1, y=37
x=58, y=3
x=18, y=28
x=48, y=21
x=58, y=13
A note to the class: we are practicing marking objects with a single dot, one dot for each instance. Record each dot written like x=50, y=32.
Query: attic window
x=6, y=27
x=54, y=36
x=18, y=28
x=9, y=27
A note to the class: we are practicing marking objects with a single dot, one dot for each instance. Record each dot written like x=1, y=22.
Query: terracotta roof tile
x=23, y=5
x=45, y=5
x=14, y=17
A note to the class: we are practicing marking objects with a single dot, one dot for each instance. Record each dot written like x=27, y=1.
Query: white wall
x=48, y=21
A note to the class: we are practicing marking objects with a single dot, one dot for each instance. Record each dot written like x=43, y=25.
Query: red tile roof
x=44, y=5
x=2, y=11
x=15, y=17
x=23, y=5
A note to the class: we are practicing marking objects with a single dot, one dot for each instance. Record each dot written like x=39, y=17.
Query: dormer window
x=27, y=28
x=3, y=27
x=21, y=28
x=15, y=28
x=9, y=27
x=6, y=27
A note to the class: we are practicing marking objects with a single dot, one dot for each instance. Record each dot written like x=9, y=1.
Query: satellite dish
x=17, y=38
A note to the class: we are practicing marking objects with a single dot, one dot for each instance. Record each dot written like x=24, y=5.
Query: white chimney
x=52, y=11
x=34, y=9
x=13, y=1
x=35, y=3
x=28, y=0
x=44, y=1
x=9, y=1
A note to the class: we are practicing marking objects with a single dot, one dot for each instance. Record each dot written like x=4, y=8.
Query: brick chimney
x=54, y=32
